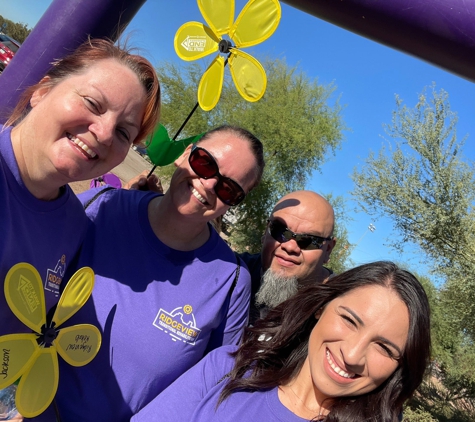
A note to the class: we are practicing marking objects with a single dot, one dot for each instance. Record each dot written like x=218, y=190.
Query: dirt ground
x=134, y=164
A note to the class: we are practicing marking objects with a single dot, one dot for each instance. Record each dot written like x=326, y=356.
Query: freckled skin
x=102, y=106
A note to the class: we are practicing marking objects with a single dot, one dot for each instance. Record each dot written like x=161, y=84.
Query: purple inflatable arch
x=441, y=32
x=64, y=25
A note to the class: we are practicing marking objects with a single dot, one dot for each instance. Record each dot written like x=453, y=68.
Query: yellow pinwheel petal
x=78, y=344
x=193, y=40
x=211, y=84
x=38, y=385
x=25, y=295
x=18, y=351
x=218, y=15
x=75, y=294
x=248, y=75
x=257, y=21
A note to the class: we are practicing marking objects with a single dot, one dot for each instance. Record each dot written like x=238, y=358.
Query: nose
x=353, y=351
x=103, y=128
x=291, y=247
x=209, y=184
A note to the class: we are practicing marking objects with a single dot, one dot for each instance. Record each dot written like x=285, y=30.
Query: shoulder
x=251, y=260
x=221, y=358
x=254, y=265
x=104, y=198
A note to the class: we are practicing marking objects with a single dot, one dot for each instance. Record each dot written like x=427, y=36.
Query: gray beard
x=275, y=289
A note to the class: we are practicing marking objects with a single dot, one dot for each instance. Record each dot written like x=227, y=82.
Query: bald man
x=297, y=243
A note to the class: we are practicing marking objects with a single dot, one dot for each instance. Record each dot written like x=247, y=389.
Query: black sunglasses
x=205, y=166
x=282, y=234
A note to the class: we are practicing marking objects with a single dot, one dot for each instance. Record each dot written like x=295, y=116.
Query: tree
x=18, y=31
x=297, y=121
x=425, y=186
x=340, y=257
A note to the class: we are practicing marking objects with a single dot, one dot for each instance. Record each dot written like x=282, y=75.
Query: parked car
x=8, y=47
x=11, y=43
x=5, y=56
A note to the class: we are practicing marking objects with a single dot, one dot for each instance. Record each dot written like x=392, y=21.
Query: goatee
x=275, y=289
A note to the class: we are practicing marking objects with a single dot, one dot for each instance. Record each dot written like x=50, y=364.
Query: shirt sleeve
x=179, y=401
x=231, y=329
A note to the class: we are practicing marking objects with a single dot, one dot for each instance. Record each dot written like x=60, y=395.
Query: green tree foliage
x=340, y=257
x=422, y=182
x=18, y=31
x=297, y=120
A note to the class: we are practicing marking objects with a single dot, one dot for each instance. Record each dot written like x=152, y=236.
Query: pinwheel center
x=48, y=335
x=225, y=46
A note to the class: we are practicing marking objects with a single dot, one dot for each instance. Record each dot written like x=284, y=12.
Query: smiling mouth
x=198, y=196
x=81, y=145
x=337, y=369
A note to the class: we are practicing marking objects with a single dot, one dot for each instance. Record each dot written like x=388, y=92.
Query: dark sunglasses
x=282, y=234
x=205, y=166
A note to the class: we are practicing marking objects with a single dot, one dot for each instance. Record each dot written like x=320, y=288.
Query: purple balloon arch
x=441, y=32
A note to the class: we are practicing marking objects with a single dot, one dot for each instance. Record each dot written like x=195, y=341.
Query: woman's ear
x=43, y=88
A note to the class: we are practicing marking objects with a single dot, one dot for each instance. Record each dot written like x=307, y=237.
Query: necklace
x=312, y=411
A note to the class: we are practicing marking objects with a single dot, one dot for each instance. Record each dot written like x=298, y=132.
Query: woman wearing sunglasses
x=168, y=289
x=352, y=349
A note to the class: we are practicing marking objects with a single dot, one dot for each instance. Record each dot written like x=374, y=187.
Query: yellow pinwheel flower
x=257, y=21
x=33, y=356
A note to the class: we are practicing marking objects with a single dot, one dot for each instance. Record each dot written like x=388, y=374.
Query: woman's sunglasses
x=282, y=234
x=205, y=166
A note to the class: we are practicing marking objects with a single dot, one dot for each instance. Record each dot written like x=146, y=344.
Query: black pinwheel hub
x=225, y=46
x=48, y=335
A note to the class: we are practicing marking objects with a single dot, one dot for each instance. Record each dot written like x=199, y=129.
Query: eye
x=91, y=104
x=387, y=351
x=349, y=320
x=123, y=134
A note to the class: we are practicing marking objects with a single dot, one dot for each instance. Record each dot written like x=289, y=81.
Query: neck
x=302, y=397
x=41, y=184
x=173, y=229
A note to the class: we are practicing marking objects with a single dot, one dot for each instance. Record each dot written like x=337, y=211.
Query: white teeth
x=336, y=368
x=197, y=195
x=83, y=146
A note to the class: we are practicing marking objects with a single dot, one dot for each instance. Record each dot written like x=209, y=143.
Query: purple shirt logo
x=179, y=323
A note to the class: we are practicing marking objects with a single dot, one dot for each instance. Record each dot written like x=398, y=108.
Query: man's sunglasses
x=282, y=234
x=206, y=167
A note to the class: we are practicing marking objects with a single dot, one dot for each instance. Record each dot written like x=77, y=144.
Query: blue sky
x=367, y=76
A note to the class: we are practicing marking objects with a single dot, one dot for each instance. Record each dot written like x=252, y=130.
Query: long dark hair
x=274, y=350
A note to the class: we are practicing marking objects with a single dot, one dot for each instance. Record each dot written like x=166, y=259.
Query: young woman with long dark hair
x=352, y=349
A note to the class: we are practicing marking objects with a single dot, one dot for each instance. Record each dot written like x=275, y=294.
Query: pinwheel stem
x=226, y=46
x=178, y=132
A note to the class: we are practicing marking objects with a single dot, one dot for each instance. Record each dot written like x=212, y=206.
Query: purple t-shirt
x=159, y=310
x=193, y=397
x=45, y=234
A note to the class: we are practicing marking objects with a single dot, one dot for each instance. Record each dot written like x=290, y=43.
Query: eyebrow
x=380, y=338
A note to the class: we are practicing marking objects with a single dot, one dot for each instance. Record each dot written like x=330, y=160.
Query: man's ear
x=43, y=88
x=183, y=156
x=327, y=249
